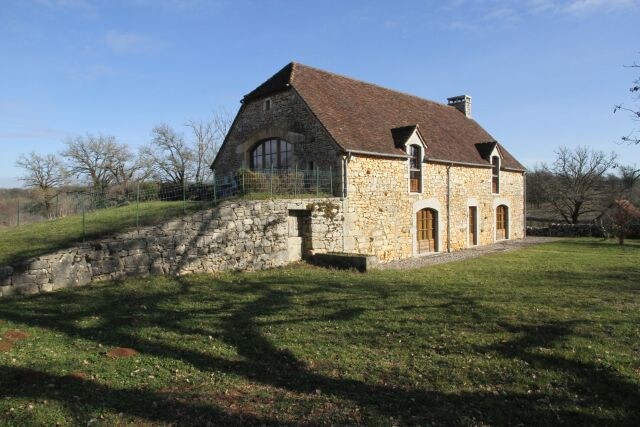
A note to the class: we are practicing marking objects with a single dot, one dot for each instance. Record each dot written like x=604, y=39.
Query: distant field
x=20, y=243
x=547, y=335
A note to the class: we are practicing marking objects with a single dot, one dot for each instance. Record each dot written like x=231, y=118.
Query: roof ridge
x=368, y=84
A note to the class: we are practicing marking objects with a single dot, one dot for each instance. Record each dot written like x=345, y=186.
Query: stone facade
x=243, y=235
x=288, y=118
x=380, y=211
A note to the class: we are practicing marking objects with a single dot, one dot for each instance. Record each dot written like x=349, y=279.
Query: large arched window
x=272, y=153
x=415, y=169
x=427, y=230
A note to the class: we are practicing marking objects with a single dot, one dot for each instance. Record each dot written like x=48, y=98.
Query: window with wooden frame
x=427, y=230
x=272, y=153
x=495, y=174
x=502, y=222
x=415, y=169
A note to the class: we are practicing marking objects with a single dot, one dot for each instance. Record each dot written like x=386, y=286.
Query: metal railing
x=141, y=203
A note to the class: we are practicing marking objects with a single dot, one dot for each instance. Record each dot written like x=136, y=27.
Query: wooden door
x=473, y=225
x=501, y=223
x=427, y=230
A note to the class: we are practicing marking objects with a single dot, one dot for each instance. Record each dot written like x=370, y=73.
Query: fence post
x=317, y=182
x=215, y=195
x=138, y=207
x=58, y=205
x=18, y=217
x=271, y=181
x=184, y=195
x=295, y=182
x=330, y=181
x=84, y=231
x=243, y=189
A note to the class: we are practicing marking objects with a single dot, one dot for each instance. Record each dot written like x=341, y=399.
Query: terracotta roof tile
x=360, y=116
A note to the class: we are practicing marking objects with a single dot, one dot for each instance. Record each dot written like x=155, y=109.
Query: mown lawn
x=545, y=335
x=20, y=243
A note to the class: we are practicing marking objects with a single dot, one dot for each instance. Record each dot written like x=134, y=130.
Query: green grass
x=20, y=243
x=545, y=335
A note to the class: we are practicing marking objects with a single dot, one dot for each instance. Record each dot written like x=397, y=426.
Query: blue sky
x=541, y=73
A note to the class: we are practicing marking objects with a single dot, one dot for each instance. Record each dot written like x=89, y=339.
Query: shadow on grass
x=239, y=308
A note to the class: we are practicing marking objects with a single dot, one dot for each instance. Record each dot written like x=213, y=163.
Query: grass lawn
x=545, y=335
x=20, y=243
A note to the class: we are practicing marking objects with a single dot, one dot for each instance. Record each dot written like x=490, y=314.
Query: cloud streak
x=124, y=43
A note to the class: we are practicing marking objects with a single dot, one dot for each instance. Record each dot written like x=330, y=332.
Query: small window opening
x=415, y=169
x=267, y=104
x=495, y=174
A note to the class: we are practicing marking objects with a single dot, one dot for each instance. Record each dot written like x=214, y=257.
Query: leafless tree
x=99, y=159
x=575, y=184
x=170, y=155
x=44, y=173
x=633, y=137
x=208, y=135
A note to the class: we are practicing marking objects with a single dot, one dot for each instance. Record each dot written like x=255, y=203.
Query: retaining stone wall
x=246, y=235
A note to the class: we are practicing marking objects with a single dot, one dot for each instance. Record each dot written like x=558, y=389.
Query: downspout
x=345, y=159
x=345, y=203
x=524, y=205
x=449, y=207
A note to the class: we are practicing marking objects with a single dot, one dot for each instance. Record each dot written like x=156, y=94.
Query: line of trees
x=102, y=162
x=581, y=182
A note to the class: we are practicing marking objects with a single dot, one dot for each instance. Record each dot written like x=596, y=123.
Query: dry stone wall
x=244, y=235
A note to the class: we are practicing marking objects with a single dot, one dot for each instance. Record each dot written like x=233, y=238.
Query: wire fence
x=99, y=211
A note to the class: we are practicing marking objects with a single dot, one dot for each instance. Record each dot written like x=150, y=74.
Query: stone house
x=415, y=176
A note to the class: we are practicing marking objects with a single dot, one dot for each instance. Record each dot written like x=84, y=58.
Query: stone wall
x=380, y=214
x=246, y=235
x=288, y=118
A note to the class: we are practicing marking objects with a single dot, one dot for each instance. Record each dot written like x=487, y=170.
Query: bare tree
x=633, y=137
x=208, y=135
x=170, y=155
x=99, y=159
x=44, y=173
x=575, y=187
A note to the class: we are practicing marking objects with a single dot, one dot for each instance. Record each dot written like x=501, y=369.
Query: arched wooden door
x=502, y=222
x=427, y=230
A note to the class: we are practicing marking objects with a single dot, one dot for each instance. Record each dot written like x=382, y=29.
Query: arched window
x=427, y=230
x=415, y=169
x=272, y=153
x=502, y=222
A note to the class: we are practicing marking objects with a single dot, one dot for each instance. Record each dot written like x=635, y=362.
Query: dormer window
x=415, y=169
x=495, y=174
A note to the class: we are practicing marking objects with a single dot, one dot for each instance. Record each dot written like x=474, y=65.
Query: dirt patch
x=5, y=346
x=120, y=352
x=15, y=335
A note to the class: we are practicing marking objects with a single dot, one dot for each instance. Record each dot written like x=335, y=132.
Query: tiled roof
x=360, y=117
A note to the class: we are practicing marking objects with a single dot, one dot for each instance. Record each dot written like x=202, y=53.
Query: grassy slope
x=546, y=335
x=20, y=243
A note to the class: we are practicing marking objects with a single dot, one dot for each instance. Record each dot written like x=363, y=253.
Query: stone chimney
x=462, y=103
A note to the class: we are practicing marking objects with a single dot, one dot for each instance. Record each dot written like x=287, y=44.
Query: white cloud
x=68, y=4
x=91, y=73
x=123, y=42
x=579, y=7
x=589, y=6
